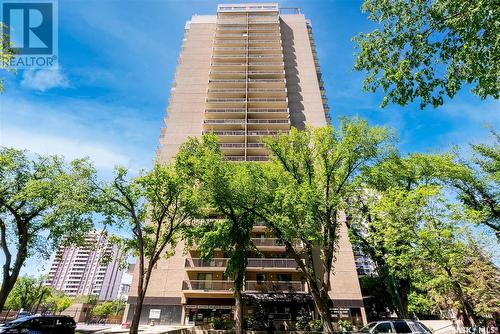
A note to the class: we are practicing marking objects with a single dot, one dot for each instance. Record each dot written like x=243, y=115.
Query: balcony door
x=205, y=280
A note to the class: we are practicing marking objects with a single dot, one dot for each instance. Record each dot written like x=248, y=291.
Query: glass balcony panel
x=207, y=285
x=272, y=263
x=277, y=286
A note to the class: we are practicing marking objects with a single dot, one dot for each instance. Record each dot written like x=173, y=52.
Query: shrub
x=316, y=325
x=303, y=320
x=217, y=323
x=345, y=325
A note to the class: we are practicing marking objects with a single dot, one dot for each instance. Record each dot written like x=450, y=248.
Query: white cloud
x=101, y=156
x=45, y=79
x=75, y=128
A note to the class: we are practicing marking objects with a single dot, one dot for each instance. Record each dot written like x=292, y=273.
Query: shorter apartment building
x=364, y=265
x=80, y=271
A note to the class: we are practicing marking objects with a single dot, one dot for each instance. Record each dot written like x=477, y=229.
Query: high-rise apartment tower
x=79, y=271
x=248, y=72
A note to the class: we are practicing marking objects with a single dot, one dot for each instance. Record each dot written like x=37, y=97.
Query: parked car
x=395, y=326
x=22, y=314
x=40, y=324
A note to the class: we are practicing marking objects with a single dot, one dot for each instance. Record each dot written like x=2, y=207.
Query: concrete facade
x=244, y=73
x=79, y=271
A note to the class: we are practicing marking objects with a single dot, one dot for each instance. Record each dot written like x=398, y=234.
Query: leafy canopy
x=428, y=49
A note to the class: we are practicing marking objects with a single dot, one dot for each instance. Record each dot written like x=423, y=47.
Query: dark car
x=50, y=324
x=400, y=326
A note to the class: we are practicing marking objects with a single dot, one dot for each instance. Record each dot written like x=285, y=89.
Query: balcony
x=189, y=286
x=225, y=110
x=267, y=242
x=207, y=285
x=234, y=158
x=266, y=133
x=237, y=149
x=277, y=287
x=273, y=124
x=257, y=158
x=268, y=110
x=242, y=57
x=201, y=263
x=232, y=145
x=227, y=133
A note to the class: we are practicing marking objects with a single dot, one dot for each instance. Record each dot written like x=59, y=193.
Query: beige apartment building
x=247, y=72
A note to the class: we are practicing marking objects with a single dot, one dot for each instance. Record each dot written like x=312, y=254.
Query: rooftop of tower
x=256, y=7
x=248, y=7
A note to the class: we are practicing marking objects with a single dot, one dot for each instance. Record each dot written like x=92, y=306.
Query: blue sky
x=117, y=62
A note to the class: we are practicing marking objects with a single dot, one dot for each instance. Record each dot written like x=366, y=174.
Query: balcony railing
x=235, y=99
x=245, y=28
x=257, y=286
x=232, y=145
x=279, y=286
x=212, y=263
x=234, y=158
x=224, y=121
x=241, y=145
x=237, y=41
x=252, y=99
x=266, y=133
x=249, y=133
x=272, y=263
x=267, y=99
x=249, y=80
x=255, y=145
x=207, y=285
x=257, y=158
x=249, y=56
x=227, y=48
x=222, y=110
x=261, y=72
x=268, y=121
x=272, y=242
x=252, y=263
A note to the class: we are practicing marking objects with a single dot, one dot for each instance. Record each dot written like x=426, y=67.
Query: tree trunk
x=468, y=311
x=141, y=289
x=134, y=327
x=398, y=290
x=7, y=286
x=322, y=301
x=404, y=290
x=238, y=312
x=9, y=279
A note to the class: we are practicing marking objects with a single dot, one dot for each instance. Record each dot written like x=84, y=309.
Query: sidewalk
x=102, y=329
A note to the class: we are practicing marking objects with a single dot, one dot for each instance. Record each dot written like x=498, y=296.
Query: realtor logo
x=30, y=33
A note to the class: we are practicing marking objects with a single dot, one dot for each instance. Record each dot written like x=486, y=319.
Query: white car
x=396, y=326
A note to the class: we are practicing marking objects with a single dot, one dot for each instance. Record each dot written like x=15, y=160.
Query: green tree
x=312, y=175
x=58, y=301
x=477, y=184
x=230, y=191
x=426, y=49
x=27, y=293
x=155, y=206
x=42, y=200
x=6, y=53
x=392, y=198
x=415, y=238
x=111, y=307
x=451, y=266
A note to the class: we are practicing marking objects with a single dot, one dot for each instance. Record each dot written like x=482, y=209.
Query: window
x=401, y=327
x=384, y=327
x=284, y=277
x=421, y=327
